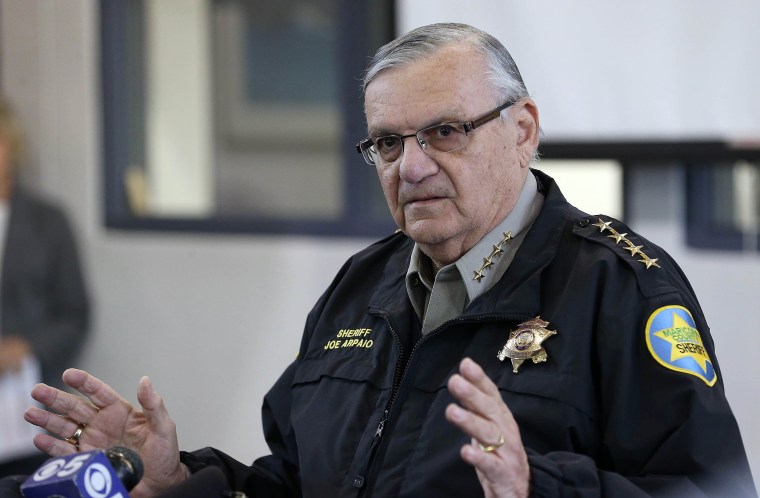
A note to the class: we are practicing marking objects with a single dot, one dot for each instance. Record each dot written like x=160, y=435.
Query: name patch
x=351, y=338
x=674, y=341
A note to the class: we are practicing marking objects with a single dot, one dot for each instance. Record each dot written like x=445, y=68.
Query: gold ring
x=74, y=438
x=488, y=448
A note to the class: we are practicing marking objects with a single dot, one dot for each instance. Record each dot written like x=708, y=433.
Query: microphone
x=91, y=474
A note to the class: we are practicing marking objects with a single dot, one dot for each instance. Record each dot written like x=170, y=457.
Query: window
x=722, y=187
x=592, y=185
x=240, y=115
x=724, y=203
x=722, y=184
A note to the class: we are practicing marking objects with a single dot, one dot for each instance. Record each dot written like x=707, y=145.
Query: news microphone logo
x=85, y=475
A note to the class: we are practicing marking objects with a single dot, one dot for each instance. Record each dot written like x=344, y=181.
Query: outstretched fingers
x=76, y=408
x=45, y=442
x=154, y=409
x=51, y=422
x=162, y=450
x=98, y=392
x=70, y=405
x=95, y=420
x=476, y=392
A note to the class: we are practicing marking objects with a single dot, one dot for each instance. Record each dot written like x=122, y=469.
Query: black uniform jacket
x=361, y=411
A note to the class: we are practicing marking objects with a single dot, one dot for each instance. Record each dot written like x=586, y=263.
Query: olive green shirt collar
x=484, y=259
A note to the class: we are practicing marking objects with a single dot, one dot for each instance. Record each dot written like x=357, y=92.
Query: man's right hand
x=110, y=420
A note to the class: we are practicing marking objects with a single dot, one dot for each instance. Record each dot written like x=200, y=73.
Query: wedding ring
x=488, y=448
x=74, y=438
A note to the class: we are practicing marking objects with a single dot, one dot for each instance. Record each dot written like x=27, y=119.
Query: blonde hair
x=10, y=131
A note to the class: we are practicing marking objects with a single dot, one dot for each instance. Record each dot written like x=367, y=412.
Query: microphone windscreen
x=127, y=465
x=209, y=482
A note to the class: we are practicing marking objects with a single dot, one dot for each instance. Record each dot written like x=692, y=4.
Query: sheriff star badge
x=525, y=343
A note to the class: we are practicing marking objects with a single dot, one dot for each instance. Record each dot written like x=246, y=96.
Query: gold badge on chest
x=525, y=343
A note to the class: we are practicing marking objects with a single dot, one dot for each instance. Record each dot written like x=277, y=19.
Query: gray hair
x=424, y=41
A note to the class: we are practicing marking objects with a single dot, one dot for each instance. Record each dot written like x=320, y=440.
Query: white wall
x=214, y=319
x=681, y=69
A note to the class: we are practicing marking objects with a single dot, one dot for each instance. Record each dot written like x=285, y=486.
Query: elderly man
x=501, y=343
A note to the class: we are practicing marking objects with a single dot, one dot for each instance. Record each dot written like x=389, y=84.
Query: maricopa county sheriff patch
x=674, y=341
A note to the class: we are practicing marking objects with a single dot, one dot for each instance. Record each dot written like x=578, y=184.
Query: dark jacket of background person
x=43, y=298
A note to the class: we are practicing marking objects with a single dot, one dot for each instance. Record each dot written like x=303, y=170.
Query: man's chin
x=427, y=232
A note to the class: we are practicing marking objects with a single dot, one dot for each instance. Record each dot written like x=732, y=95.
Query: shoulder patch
x=674, y=341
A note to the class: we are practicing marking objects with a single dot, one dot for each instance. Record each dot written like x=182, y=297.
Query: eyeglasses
x=446, y=137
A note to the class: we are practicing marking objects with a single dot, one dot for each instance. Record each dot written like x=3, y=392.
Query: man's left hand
x=496, y=450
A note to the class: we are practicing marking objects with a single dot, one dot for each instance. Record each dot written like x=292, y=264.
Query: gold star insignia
x=497, y=252
x=631, y=247
x=650, y=262
x=617, y=236
x=603, y=225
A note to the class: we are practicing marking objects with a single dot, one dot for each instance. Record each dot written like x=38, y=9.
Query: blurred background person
x=44, y=308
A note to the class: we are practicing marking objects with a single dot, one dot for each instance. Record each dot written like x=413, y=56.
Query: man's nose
x=416, y=164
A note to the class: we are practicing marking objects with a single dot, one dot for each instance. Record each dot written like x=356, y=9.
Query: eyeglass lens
x=443, y=138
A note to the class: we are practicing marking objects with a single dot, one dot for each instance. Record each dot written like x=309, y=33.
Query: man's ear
x=528, y=129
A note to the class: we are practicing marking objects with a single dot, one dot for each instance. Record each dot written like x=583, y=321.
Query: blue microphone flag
x=81, y=475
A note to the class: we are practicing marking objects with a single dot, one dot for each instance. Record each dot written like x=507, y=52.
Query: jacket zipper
x=359, y=480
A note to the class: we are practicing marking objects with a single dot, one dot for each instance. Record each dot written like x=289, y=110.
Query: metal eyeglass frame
x=363, y=145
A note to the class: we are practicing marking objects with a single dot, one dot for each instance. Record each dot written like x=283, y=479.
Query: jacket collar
x=518, y=293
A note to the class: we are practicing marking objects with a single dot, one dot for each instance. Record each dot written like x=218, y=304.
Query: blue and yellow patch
x=674, y=341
